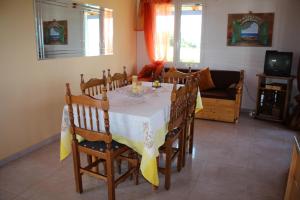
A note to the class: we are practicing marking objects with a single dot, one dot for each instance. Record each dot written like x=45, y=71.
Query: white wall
x=217, y=55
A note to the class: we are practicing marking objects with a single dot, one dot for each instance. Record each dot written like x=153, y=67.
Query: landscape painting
x=55, y=32
x=251, y=29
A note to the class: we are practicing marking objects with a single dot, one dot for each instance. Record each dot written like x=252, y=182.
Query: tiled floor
x=246, y=161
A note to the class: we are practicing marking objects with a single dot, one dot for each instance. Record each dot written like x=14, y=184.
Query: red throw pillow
x=146, y=71
x=158, y=70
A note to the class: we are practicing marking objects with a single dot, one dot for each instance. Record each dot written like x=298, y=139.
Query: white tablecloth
x=140, y=122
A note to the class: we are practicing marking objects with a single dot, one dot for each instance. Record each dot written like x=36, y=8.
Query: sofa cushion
x=206, y=81
x=218, y=93
x=223, y=78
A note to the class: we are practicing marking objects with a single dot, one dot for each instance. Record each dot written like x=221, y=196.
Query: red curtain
x=147, y=9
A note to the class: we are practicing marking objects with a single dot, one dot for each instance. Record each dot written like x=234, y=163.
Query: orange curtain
x=155, y=42
x=149, y=29
x=162, y=32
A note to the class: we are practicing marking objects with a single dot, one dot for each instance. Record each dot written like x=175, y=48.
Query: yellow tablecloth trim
x=148, y=163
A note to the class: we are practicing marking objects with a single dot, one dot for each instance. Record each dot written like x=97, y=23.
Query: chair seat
x=100, y=145
x=219, y=93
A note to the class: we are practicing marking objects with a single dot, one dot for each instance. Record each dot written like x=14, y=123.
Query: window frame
x=177, y=36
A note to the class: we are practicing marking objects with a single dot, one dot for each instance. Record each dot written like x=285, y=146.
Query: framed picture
x=55, y=32
x=252, y=29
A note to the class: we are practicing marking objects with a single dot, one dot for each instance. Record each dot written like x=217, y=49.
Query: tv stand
x=273, y=97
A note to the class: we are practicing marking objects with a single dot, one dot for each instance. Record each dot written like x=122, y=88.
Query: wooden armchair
x=117, y=80
x=97, y=143
x=94, y=86
x=223, y=103
x=176, y=128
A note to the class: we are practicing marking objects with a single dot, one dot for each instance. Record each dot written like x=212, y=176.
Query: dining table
x=138, y=120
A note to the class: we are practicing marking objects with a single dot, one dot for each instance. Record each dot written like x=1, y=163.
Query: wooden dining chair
x=192, y=93
x=94, y=86
x=117, y=80
x=91, y=122
x=176, y=128
x=175, y=75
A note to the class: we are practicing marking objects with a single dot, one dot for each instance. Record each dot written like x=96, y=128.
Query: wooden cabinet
x=273, y=97
x=293, y=185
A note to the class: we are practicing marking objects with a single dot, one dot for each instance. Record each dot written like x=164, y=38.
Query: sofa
x=223, y=102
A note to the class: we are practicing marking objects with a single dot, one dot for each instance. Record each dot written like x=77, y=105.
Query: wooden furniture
x=273, y=97
x=294, y=121
x=174, y=75
x=176, y=129
x=117, y=80
x=94, y=86
x=192, y=92
x=97, y=143
x=223, y=103
x=293, y=184
x=137, y=121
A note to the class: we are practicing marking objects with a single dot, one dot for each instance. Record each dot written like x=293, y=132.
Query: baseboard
x=27, y=151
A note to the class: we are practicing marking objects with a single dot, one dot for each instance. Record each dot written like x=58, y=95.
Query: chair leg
x=168, y=166
x=184, y=146
x=110, y=178
x=76, y=163
x=191, y=139
x=181, y=147
x=129, y=166
x=119, y=163
x=104, y=167
x=96, y=168
x=137, y=171
x=89, y=159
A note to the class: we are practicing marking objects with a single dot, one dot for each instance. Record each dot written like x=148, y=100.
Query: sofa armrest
x=240, y=84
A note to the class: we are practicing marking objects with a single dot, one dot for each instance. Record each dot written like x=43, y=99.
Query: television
x=278, y=63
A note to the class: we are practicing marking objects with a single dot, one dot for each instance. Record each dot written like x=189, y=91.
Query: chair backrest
x=175, y=75
x=94, y=86
x=178, y=107
x=192, y=87
x=117, y=80
x=87, y=111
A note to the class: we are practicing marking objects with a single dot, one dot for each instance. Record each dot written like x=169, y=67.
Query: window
x=184, y=28
x=98, y=32
x=92, y=30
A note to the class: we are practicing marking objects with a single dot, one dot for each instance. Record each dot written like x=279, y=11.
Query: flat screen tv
x=278, y=63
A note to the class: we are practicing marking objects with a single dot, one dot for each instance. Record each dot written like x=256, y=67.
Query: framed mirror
x=65, y=28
